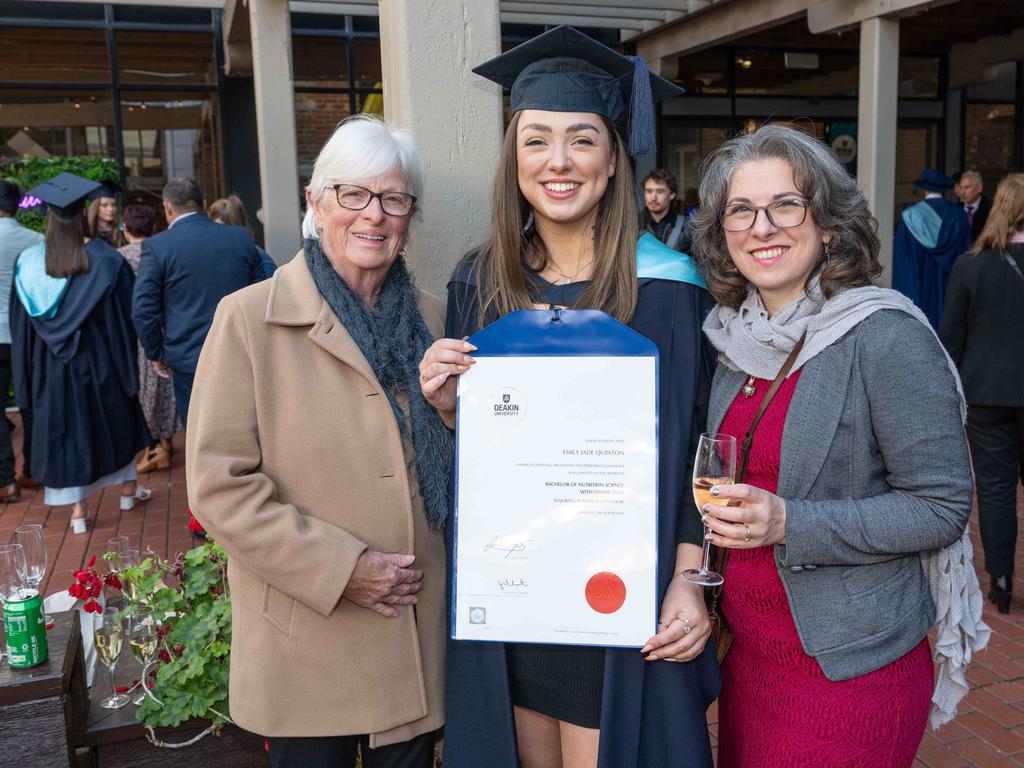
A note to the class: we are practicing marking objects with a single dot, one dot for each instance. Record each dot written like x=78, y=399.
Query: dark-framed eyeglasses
x=782, y=214
x=356, y=198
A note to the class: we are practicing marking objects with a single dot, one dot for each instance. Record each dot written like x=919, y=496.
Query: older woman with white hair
x=313, y=460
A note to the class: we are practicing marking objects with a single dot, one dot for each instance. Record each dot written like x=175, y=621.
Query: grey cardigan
x=874, y=469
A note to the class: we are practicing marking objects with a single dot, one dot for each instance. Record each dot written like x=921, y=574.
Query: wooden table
x=42, y=709
x=118, y=740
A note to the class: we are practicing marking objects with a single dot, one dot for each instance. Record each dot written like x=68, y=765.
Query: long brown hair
x=229, y=210
x=510, y=246
x=65, y=246
x=95, y=227
x=1005, y=218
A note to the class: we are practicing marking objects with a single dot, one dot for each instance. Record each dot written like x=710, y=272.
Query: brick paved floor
x=988, y=733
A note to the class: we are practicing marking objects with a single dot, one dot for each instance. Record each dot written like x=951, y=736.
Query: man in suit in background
x=976, y=205
x=183, y=273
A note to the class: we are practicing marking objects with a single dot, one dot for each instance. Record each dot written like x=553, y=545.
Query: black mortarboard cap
x=106, y=189
x=564, y=70
x=65, y=194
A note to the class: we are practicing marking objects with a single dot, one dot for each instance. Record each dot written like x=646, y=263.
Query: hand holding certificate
x=556, y=484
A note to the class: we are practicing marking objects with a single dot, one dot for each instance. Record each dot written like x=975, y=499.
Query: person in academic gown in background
x=931, y=234
x=74, y=357
x=565, y=234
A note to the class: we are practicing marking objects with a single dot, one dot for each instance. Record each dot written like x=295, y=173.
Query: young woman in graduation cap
x=102, y=219
x=565, y=234
x=73, y=357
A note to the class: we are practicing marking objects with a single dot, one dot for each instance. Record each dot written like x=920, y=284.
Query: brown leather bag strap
x=748, y=441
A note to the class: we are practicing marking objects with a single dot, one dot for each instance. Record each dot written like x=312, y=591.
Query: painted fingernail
x=714, y=490
x=704, y=519
x=467, y=347
x=645, y=649
x=469, y=360
x=708, y=537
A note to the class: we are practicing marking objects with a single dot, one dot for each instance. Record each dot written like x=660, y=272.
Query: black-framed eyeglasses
x=356, y=198
x=783, y=214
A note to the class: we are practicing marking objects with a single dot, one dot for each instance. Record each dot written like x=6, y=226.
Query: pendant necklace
x=566, y=279
x=748, y=387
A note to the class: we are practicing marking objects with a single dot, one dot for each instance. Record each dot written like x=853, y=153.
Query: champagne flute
x=32, y=541
x=715, y=465
x=108, y=638
x=127, y=558
x=115, y=545
x=142, y=639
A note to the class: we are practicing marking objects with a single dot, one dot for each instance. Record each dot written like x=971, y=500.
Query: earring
x=528, y=226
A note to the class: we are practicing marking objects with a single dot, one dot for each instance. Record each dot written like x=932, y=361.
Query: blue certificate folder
x=555, y=527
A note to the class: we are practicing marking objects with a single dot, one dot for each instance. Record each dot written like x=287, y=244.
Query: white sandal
x=141, y=494
x=79, y=525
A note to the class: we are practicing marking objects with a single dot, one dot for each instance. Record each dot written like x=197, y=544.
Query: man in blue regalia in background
x=931, y=234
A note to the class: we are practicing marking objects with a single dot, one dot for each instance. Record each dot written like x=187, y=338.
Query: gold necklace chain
x=566, y=279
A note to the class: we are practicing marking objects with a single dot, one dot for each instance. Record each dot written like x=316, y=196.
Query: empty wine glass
x=108, y=638
x=142, y=639
x=12, y=576
x=115, y=545
x=13, y=573
x=34, y=544
x=715, y=465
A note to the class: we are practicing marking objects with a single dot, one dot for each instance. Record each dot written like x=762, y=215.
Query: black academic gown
x=78, y=374
x=653, y=714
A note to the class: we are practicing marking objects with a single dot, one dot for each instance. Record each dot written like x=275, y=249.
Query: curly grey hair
x=837, y=205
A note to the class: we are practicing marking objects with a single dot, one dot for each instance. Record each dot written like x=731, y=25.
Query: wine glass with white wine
x=108, y=638
x=142, y=639
x=715, y=465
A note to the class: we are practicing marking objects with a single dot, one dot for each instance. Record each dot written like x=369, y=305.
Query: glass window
x=317, y=22
x=988, y=141
x=919, y=77
x=1001, y=87
x=704, y=73
x=365, y=24
x=367, y=63
x=320, y=61
x=916, y=150
x=316, y=115
x=54, y=55
x=167, y=135
x=145, y=56
x=43, y=123
x=762, y=72
x=685, y=144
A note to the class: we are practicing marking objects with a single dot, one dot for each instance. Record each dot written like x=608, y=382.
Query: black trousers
x=340, y=752
x=996, y=435
x=6, y=449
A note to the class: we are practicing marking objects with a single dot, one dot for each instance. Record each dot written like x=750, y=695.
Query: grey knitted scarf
x=393, y=338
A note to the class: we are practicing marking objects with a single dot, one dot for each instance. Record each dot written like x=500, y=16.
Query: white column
x=275, y=120
x=876, y=127
x=428, y=48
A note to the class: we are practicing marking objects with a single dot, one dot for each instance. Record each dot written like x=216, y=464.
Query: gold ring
x=686, y=624
x=748, y=533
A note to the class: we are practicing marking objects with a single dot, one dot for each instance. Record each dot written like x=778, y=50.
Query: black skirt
x=561, y=681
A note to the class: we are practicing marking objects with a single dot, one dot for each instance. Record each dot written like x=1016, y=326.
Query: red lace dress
x=777, y=708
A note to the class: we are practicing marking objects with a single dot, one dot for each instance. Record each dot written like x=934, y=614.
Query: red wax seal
x=605, y=592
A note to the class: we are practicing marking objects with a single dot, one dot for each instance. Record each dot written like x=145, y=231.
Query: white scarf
x=750, y=341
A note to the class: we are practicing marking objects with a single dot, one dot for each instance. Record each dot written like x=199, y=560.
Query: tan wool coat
x=295, y=465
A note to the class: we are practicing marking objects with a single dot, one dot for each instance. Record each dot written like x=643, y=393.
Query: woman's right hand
x=442, y=359
x=381, y=581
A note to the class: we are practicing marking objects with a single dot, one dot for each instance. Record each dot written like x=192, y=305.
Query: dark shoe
x=1002, y=592
x=10, y=493
x=28, y=483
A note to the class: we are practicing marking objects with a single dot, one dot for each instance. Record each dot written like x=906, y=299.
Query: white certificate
x=556, y=485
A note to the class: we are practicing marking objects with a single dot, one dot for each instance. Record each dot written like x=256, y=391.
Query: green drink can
x=25, y=630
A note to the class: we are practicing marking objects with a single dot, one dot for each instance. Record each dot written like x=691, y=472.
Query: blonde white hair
x=362, y=147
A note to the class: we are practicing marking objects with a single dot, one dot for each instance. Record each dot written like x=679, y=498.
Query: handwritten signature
x=497, y=545
x=512, y=583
